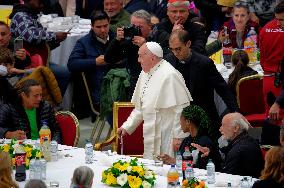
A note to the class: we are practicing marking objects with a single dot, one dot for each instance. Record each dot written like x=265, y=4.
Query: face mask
x=3, y=70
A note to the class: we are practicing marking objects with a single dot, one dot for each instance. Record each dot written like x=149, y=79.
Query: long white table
x=71, y=158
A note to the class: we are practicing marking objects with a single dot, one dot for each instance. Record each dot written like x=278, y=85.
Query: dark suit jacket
x=243, y=157
x=202, y=78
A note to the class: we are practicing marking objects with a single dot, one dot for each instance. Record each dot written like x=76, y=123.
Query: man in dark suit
x=201, y=77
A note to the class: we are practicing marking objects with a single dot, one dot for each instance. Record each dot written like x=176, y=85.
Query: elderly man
x=122, y=48
x=242, y=154
x=119, y=16
x=24, y=118
x=159, y=97
x=179, y=18
x=201, y=77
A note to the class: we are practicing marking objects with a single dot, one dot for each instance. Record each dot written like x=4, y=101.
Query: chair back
x=250, y=95
x=133, y=144
x=69, y=126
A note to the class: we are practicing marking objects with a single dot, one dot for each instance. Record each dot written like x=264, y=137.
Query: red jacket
x=271, y=44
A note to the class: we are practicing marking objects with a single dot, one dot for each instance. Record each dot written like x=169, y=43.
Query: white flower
x=122, y=179
x=129, y=168
x=148, y=174
x=146, y=184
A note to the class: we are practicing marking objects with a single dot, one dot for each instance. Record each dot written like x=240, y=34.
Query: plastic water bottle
x=245, y=183
x=54, y=150
x=43, y=169
x=32, y=169
x=45, y=148
x=210, y=167
x=173, y=176
x=189, y=173
x=37, y=170
x=186, y=159
x=250, y=45
x=179, y=163
x=89, y=152
x=20, y=158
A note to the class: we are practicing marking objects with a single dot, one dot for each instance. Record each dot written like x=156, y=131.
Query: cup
x=158, y=163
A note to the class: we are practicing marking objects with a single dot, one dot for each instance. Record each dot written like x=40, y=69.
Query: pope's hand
x=121, y=131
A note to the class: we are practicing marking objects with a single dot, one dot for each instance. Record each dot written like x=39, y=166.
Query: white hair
x=239, y=120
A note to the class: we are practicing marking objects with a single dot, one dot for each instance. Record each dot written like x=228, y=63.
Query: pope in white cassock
x=159, y=97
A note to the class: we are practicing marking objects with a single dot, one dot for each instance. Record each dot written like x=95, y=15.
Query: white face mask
x=3, y=70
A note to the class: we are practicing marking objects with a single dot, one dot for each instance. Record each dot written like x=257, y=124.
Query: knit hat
x=178, y=2
x=155, y=49
x=226, y=3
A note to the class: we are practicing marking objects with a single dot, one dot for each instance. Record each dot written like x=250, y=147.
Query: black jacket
x=14, y=117
x=243, y=156
x=202, y=78
x=196, y=32
x=7, y=93
x=203, y=141
x=266, y=184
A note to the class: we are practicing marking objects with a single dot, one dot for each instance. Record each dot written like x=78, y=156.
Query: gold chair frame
x=76, y=123
x=114, y=138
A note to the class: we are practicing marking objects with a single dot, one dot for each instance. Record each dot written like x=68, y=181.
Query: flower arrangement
x=193, y=183
x=129, y=174
x=31, y=152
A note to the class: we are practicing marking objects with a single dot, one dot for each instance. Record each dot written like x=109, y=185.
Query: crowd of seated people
x=183, y=40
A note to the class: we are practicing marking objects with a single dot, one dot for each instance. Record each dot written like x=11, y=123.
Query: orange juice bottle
x=44, y=133
x=173, y=176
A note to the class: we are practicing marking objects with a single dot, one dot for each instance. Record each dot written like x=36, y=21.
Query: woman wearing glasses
x=239, y=25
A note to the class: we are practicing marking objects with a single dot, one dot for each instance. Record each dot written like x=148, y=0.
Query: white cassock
x=159, y=97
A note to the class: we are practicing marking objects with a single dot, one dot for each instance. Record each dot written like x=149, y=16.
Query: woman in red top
x=239, y=26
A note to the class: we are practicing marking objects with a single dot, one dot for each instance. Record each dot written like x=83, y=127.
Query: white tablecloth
x=62, y=170
x=60, y=55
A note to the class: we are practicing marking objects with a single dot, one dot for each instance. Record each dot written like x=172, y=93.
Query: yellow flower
x=120, y=167
x=6, y=148
x=134, y=182
x=110, y=179
x=139, y=170
x=38, y=154
x=28, y=151
x=27, y=162
x=104, y=176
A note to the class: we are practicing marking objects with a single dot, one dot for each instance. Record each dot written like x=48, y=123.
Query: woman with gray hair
x=82, y=177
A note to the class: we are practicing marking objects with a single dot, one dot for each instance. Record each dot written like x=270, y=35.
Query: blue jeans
x=62, y=76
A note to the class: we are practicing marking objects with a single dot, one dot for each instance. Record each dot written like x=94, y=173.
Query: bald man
x=159, y=97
